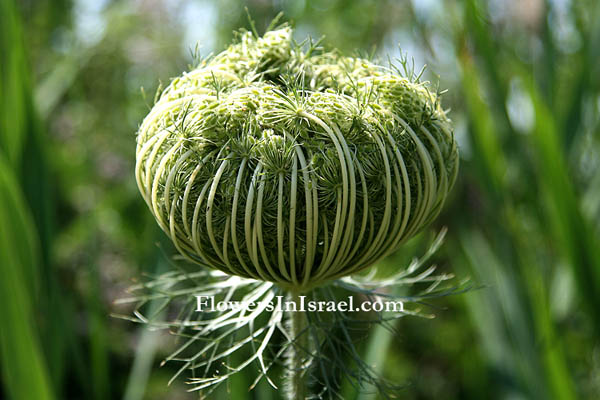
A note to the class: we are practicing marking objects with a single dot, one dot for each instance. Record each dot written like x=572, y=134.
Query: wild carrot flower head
x=290, y=164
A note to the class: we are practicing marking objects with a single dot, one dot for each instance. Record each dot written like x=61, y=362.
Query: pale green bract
x=293, y=166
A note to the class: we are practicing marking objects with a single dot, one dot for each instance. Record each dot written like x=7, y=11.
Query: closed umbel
x=293, y=166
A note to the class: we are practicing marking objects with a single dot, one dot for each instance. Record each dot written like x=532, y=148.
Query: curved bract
x=282, y=165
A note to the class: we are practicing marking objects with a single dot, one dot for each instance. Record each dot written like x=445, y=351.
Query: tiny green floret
x=293, y=167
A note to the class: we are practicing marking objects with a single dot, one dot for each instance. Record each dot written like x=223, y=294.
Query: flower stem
x=298, y=352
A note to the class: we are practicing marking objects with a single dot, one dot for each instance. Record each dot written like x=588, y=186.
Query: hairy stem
x=298, y=352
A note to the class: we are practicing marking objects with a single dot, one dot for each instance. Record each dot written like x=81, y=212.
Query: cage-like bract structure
x=285, y=163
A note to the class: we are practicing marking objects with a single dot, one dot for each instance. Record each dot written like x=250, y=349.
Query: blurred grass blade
x=487, y=150
x=13, y=80
x=24, y=372
x=142, y=364
x=511, y=309
x=574, y=235
x=512, y=345
x=558, y=375
x=586, y=80
x=476, y=24
x=145, y=351
x=378, y=348
x=23, y=143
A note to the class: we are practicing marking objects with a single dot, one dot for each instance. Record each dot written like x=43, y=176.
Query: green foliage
x=22, y=254
x=24, y=369
x=523, y=218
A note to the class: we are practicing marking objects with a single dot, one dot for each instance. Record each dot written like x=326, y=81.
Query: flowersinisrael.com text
x=209, y=304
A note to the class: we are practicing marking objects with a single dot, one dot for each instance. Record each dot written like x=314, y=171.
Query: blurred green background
x=523, y=218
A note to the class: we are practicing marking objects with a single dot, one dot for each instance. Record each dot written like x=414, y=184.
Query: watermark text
x=210, y=304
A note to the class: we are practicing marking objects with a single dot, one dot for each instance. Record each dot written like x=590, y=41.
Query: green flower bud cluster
x=295, y=166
